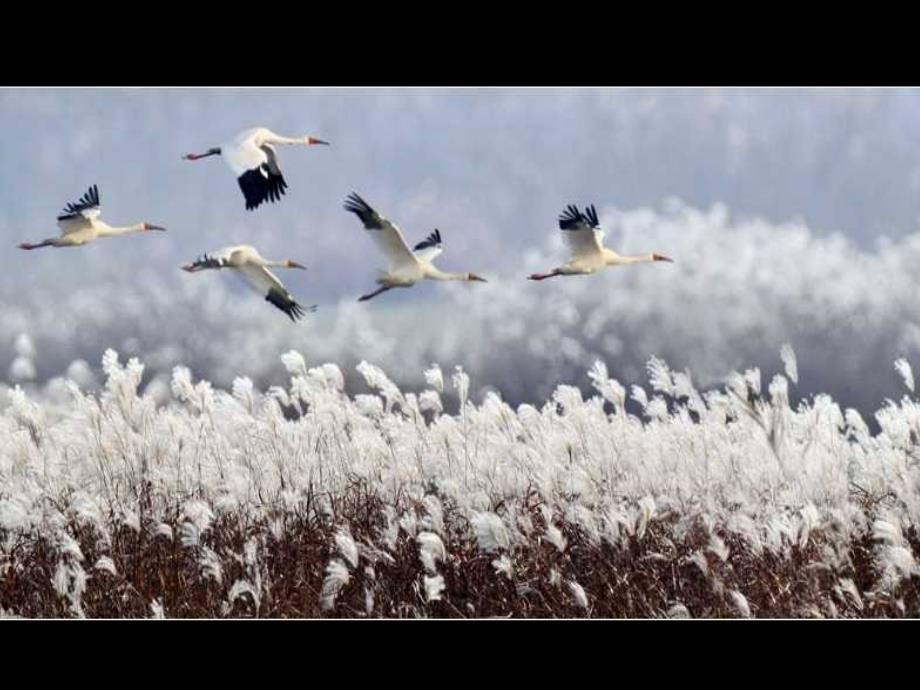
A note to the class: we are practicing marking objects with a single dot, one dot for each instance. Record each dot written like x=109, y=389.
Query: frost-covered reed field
x=310, y=500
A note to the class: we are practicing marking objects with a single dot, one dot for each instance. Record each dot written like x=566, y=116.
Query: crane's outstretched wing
x=385, y=234
x=267, y=284
x=276, y=183
x=79, y=214
x=222, y=258
x=204, y=262
x=219, y=259
x=430, y=248
x=581, y=232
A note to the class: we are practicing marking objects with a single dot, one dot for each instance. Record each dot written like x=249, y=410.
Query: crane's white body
x=89, y=230
x=252, y=157
x=587, y=252
x=79, y=224
x=254, y=269
x=252, y=148
x=406, y=266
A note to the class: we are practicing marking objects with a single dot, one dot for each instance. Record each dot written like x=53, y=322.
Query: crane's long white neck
x=109, y=231
x=286, y=263
x=611, y=258
x=437, y=274
x=278, y=139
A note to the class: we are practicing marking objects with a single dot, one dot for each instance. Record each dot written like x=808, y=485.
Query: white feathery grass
x=431, y=550
x=241, y=587
x=718, y=547
x=106, y=564
x=849, y=587
x=491, y=532
x=347, y=548
x=435, y=378
x=337, y=576
x=554, y=536
x=22, y=369
x=294, y=362
x=678, y=610
x=787, y=354
x=434, y=586
x=749, y=469
x=157, y=611
x=503, y=565
x=904, y=369
x=741, y=603
x=578, y=593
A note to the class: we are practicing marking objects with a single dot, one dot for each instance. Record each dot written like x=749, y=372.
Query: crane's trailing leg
x=28, y=246
x=374, y=293
x=198, y=156
x=544, y=276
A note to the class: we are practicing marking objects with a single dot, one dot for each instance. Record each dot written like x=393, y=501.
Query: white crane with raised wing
x=583, y=233
x=79, y=224
x=407, y=266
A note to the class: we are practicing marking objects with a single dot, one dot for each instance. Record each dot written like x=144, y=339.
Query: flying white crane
x=251, y=156
x=79, y=223
x=254, y=270
x=407, y=266
x=588, y=255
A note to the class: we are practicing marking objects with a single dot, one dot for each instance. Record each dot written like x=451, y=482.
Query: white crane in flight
x=252, y=157
x=248, y=263
x=79, y=224
x=407, y=266
x=588, y=254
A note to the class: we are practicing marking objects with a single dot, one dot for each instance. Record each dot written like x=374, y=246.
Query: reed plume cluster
x=309, y=500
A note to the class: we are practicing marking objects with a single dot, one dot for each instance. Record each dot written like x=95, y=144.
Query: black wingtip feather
x=260, y=185
x=570, y=218
x=591, y=213
x=88, y=200
x=433, y=240
x=285, y=303
x=207, y=261
x=355, y=204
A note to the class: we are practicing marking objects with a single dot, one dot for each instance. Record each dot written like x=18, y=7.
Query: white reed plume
x=904, y=369
x=787, y=354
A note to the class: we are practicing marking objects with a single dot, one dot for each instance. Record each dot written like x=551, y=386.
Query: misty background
x=792, y=215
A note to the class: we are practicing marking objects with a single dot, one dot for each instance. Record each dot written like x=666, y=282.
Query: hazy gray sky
x=795, y=174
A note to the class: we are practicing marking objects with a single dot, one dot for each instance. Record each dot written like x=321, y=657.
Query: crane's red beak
x=294, y=264
x=659, y=257
x=312, y=140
